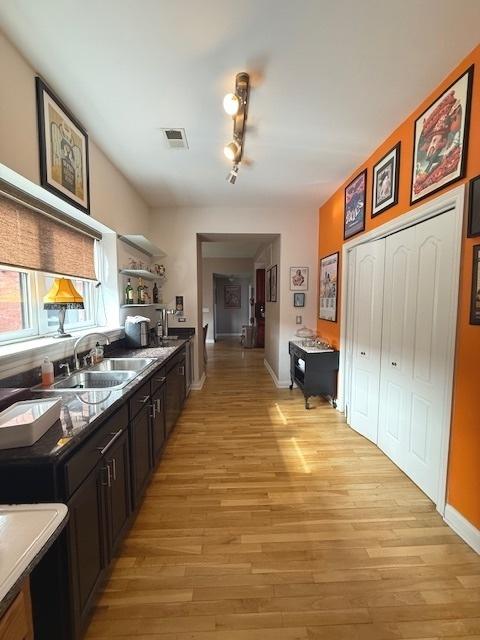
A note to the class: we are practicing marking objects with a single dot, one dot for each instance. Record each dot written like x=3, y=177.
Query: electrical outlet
x=298, y=319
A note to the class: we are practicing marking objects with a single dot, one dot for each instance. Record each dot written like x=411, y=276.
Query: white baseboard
x=280, y=384
x=465, y=529
x=224, y=335
x=210, y=341
x=198, y=385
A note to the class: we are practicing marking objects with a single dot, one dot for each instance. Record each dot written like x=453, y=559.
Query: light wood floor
x=268, y=522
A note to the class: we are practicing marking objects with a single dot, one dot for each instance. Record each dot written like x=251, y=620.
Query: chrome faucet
x=78, y=341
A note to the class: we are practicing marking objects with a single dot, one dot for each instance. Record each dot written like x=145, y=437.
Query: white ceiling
x=246, y=249
x=331, y=78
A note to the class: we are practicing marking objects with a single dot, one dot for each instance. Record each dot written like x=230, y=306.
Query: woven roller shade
x=32, y=240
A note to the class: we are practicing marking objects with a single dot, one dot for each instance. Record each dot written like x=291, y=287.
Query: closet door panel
x=366, y=347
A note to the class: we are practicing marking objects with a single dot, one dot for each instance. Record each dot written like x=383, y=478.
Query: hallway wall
x=230, y=321
x=464, y=468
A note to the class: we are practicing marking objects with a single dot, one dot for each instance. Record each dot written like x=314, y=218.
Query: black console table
x=316, y=373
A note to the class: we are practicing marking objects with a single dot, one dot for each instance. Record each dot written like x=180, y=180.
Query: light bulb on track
x=231, y=104
x=231, y=151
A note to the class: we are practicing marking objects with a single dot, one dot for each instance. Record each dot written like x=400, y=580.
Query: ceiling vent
x=176, y=138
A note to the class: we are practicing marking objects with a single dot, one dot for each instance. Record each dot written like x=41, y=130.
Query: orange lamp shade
x=63, y=295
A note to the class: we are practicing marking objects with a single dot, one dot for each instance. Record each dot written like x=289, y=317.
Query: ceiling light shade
x=231, y=151
x=231, y=104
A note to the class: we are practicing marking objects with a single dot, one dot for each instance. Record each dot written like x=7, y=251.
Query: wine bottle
x=128, y=293
x=140, y=293
x=155, y=293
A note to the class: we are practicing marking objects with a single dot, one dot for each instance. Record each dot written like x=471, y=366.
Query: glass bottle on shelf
x=128, y=293
x=140, y=292
x=155, y=293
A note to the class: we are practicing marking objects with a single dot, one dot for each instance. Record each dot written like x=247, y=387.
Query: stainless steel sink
x=122, y=364
x=92, y=380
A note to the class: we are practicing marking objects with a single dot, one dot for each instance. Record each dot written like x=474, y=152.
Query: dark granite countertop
x=83, y=411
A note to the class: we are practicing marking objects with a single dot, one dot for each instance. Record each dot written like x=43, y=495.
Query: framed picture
x=475, y=301
x=63, y=146
x=354, y=213
x=441, y=139
x=386, y=175
x=273, y=284
x=298, y=299
x=474, y=208
x=232, y=296
x=328, y=288
x=298, y=278
x=268, y=286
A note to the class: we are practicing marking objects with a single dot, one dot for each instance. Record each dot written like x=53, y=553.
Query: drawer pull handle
x=144, y=400
x=181, y=371
x=108, y=483
x=116, y=435
x=114, y=468
x=161, y=380
x=153, y=414
x=362, y=353
x=159, y=405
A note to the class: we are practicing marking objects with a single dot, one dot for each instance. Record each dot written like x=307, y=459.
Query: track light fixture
x=233, y=175
x=236, y=105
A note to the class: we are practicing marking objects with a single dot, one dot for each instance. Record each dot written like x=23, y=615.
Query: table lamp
x=62, y=296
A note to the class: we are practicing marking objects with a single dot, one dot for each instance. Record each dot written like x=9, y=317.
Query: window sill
x=21, y=356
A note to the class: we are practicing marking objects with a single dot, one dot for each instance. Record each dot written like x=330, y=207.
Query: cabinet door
x=181, y=382
x=158, y=423
x=118, y=478
x=171, y=400
x=86, y=544
x=141, y=451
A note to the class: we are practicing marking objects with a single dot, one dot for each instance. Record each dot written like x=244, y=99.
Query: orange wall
x=464, y=463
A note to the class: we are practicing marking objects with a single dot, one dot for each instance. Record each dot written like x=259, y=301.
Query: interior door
x=419, y=288
x=366, y=340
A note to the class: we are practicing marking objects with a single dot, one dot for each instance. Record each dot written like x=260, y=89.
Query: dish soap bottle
x=98, y=355
x=47, y=373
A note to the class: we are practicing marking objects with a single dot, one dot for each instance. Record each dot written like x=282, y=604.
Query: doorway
x=401, y=283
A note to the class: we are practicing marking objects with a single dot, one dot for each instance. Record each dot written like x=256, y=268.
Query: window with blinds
x=33, y=240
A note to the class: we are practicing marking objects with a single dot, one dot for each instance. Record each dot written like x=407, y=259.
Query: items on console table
x=313, y=369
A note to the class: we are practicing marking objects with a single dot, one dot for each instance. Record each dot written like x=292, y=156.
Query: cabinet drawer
x=82, y=462
x=16, y=623
x=175, y=360
x=139, y=399
x=158, y=379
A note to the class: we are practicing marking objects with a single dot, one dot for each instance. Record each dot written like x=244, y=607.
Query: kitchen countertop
x=83, y=411
x=299, y=342
x=26, y=533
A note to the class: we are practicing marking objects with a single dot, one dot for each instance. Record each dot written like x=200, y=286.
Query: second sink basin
x=95, y=380
x=122, y=364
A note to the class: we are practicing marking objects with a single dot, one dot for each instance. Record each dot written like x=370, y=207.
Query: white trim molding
x=463, y=527
x=197, y=385
x=280, y=384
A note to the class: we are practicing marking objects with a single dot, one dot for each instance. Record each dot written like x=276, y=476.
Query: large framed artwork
x=273, y=284
x=441, y=140
x=386, y=175
x=354, y=213
x=474, y=208
x=328, y=288
x=232, y=296
x=63, y=146
x=298, y=278
x=475, y=301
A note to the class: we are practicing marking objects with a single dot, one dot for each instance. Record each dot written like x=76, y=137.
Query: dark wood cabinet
x=314, y=371
x=140, y=451
x=86, y=544
x=175, y=393
x=117, y=491
x=158, y=422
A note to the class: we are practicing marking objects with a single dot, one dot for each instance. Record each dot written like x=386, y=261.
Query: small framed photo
x=441, y=139
x=63, y=144
x=354, y=212
x=298, y=278
x=328, y=288
x=385, y=181
x=268, y=285
x=474, y=208
x=273, y=284
x=298, y=299
x=475, y=300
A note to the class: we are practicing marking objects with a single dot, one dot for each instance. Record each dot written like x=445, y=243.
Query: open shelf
x=140, y=273
x=123, y=306
x=143, y=244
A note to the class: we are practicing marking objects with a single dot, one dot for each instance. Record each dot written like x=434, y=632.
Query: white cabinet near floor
x=414, y=365
x=366, y=344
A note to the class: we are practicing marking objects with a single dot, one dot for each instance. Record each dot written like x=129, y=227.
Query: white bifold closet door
x=367, y=304
x=418, y=293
